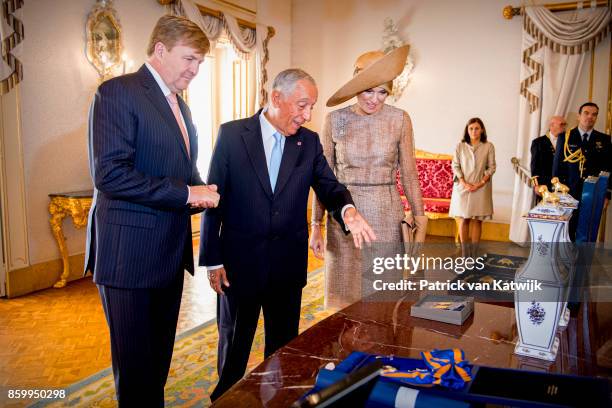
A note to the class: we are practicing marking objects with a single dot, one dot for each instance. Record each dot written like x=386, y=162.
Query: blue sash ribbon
x=447, y=368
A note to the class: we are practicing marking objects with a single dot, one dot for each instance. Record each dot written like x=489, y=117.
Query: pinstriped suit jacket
x=260, y=236
x=139, y=231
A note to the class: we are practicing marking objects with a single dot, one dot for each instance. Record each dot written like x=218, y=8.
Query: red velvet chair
x=436, y=180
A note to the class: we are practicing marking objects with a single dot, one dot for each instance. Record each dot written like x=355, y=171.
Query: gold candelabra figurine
x=559, y=187
x=548, y=197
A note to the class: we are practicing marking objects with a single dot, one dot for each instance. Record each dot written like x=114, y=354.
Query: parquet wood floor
x=56, y=337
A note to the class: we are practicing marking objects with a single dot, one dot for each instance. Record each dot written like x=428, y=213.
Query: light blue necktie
x=275, y=159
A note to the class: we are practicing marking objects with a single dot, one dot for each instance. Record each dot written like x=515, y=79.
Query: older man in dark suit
x=543, y=150
x=255, y=244
x=143, y=149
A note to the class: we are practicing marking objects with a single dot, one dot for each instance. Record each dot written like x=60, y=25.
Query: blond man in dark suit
x=143, y=151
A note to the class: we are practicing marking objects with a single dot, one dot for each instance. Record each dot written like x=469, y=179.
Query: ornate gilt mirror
x=104, y=43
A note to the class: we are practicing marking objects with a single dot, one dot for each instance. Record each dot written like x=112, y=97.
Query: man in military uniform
x=582, y=152
x=543, y=150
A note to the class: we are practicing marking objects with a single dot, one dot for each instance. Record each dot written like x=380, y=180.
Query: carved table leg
x=57, y=217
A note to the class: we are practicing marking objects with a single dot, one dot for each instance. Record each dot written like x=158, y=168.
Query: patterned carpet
x=496, y=267
x=193, y=373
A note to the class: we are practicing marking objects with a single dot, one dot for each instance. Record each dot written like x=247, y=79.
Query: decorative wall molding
x=43, y=275
x=12, y=182
x=391, y=41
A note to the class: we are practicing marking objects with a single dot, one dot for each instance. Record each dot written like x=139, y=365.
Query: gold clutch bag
x=414, y=230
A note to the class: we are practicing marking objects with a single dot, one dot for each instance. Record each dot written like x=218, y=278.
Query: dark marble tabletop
x=488, y=338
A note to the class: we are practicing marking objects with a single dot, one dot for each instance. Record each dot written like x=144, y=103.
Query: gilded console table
x=61, y=205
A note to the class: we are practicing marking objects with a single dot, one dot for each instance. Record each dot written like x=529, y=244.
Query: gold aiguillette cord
x=573, y=157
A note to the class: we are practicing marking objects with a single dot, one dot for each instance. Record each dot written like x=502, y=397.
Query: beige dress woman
x=365, y=151
x=473, y=163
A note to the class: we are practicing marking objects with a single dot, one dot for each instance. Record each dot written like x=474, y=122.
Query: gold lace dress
x=364, y=151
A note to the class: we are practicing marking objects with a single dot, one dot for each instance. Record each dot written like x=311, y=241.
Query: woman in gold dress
x=365, y=144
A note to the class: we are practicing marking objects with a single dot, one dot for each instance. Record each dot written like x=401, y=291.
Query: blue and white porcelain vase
x=541, y=303
x=568, y=256
x=567, y=252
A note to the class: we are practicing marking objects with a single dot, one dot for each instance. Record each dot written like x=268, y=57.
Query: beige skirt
x=382, y=208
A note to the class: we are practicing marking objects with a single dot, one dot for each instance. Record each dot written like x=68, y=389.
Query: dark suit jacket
x=598, y=155
x=259, y=236
x=139, y=232
x=542, y=157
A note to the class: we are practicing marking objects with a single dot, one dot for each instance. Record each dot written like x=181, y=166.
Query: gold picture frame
x=104, y=39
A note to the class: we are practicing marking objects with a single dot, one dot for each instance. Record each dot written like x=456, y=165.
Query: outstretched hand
x=359, y=228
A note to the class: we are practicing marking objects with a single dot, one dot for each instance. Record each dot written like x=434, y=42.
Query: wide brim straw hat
x=372, y=69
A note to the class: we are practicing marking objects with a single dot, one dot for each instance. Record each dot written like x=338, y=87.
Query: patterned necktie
x=177, y=115
x=275, y=159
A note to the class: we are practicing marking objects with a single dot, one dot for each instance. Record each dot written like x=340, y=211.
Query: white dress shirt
x=166, y=91
x=267, y=137
x=164, y=88
x=553, y=139
x=583, y=132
